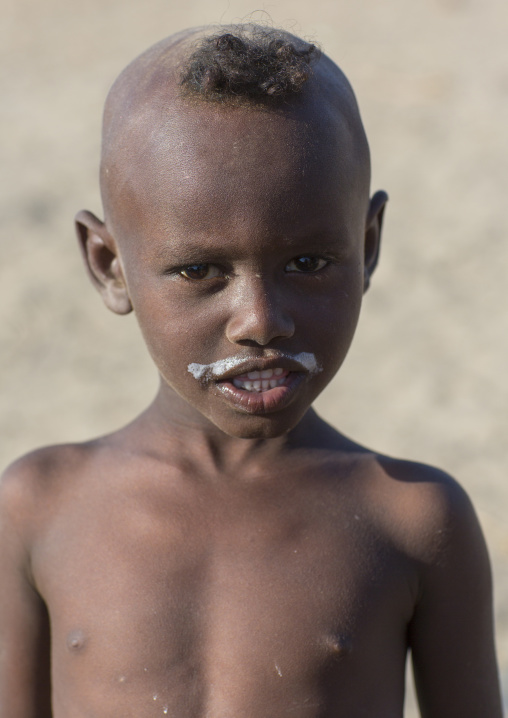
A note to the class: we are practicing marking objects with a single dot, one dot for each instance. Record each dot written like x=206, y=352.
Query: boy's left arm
x=451, y=633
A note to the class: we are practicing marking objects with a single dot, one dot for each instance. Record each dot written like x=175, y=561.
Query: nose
x=257, y=314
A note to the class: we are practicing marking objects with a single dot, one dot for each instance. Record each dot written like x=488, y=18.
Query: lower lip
x=263, y=402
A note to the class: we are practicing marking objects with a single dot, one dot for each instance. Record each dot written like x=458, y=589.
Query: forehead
x=201, y=163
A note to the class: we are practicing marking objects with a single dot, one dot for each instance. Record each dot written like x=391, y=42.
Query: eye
x=200, y=271
x=306, y=263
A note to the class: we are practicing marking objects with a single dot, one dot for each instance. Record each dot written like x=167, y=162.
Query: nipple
x=338, y=645
x=76, y=641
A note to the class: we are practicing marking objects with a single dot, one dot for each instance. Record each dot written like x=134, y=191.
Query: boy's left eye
x=306, y=263
x=200, y=271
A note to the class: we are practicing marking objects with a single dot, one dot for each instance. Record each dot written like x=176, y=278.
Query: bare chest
x=184, y=608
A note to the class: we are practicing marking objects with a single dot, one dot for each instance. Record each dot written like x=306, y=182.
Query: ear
x=373, y=228
x=100, y=255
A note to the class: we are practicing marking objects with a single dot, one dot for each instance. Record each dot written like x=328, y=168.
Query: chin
x=258, y=427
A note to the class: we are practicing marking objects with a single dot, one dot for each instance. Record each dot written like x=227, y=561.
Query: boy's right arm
x=25, y=688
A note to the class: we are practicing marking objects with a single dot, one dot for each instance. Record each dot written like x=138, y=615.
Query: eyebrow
x=195, y=247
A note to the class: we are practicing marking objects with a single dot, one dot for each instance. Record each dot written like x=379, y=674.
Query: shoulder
x=424, y=510
x=38, y=484
x=30, y=487
x=422, y=487
x=427, y=517
x=40, y=469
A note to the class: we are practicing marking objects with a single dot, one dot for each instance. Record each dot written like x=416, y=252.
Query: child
x=228, y=554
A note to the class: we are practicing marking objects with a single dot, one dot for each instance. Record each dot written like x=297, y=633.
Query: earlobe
x=374, y=225
x=101, y=259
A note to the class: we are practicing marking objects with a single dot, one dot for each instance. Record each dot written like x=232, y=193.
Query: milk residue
x=307, y=361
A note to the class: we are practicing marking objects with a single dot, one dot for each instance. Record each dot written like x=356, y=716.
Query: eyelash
x=197, y=267
x=322, y=261
x=205, y=266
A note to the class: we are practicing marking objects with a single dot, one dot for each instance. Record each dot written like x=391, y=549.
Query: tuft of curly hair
x=240, y=67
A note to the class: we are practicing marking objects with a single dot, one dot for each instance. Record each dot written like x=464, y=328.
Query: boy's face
x=241, y=235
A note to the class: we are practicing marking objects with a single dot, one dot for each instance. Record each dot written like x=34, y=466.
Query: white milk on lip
x=307, y=361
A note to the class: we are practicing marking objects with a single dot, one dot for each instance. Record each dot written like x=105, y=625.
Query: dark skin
x=217, y=557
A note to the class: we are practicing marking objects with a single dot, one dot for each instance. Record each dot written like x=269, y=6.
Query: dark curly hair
x=237, y=67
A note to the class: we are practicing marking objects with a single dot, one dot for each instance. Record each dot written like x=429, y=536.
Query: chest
x=165, y=585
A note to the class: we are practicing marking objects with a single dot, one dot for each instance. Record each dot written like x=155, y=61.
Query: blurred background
x=427, y=376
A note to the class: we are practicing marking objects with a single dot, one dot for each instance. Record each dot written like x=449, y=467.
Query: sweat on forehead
x=230, y=71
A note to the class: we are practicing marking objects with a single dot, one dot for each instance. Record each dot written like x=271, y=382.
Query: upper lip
x=260, y=364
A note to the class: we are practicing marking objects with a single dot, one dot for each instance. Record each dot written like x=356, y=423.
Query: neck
x=170, y=419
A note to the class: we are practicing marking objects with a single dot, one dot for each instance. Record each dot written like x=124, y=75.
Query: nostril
x=258, y=316
x=260, y=327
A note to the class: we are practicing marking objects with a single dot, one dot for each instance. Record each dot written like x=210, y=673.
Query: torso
x=184, y=596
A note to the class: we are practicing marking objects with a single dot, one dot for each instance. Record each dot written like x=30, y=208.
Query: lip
x=297, y=368
x=261, y=364
x=264, y=402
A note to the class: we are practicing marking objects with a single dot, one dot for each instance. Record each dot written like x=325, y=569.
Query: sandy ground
x=427, y=377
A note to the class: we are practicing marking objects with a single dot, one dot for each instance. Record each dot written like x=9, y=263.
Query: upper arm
x=451, y=632
x=24, y=625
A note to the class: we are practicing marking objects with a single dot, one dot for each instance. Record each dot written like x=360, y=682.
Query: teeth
x=258, y=385
x=265, y=374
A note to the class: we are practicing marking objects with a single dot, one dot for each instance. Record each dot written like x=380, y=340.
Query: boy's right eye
x=200, y=271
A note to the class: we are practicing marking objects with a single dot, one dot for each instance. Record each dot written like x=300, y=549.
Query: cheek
x=330, y=322
x=156, y=318
x=337, y=305
x=175, y=330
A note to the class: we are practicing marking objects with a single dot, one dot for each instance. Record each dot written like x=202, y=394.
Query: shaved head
x=153, y=107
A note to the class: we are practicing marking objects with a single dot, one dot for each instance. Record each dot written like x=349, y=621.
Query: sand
x=426, y=378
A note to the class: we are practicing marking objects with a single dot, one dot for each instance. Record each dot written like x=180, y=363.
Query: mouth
x=258, y=385
x=261, y=391
x=259, y=381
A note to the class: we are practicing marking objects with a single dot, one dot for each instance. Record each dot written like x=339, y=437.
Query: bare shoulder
x=429, y=518
x=31, y=491
x=37, y=486
x=424, y=510
x=31, y=486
